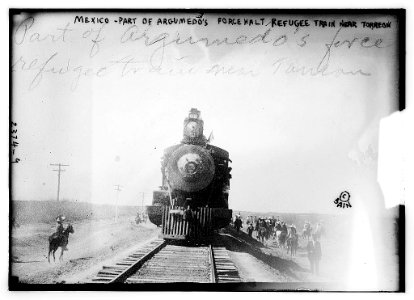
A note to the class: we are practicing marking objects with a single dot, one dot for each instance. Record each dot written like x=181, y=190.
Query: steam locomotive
x=192, y=201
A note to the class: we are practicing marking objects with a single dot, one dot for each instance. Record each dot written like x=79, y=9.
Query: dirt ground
x=268, y=263
x=92, y=243
x=98, y=243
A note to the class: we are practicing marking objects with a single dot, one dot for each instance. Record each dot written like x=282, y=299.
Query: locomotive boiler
x=192, y=201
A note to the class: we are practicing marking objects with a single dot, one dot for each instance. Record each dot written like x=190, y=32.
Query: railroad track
x=161, y=262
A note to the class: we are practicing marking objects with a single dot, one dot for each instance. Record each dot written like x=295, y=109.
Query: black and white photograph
x=206, y=149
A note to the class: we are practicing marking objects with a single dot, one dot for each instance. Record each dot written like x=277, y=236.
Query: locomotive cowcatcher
x=192, y=201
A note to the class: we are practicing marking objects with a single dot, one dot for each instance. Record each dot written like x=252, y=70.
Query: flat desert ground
x=101, y=242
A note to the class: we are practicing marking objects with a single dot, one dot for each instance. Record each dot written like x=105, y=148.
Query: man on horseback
x=292, y=230
x=281, y=233
x=278, y=226
x=284, y=228
x=292, y=240
x=307, y=230
x=60, y=229
x=262, y=230
x=59, y=239
x=250, y=229
x=273, y=222
x=257, y=224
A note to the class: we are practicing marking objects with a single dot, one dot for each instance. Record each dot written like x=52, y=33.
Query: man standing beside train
x=314, y=253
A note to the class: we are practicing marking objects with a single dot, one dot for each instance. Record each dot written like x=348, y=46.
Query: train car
x=192, y=201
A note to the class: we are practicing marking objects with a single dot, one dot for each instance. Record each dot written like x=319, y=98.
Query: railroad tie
x=115, y=273
x=226, y=271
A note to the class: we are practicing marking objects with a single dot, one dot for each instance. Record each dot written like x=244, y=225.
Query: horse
x=272, y=227
x=250, y=229
x=281, y=238
x=307, y=231
x=292, y=244
x=278, y=227
x=61, y=241
x=262, y=234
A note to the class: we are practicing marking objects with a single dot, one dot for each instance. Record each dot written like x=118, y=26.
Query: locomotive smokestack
x=193, y=128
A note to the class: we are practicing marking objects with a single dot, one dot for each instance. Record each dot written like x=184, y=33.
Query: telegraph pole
x=118, y=190
x=59, y=170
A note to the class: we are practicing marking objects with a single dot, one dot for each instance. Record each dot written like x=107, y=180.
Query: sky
x=296, y=140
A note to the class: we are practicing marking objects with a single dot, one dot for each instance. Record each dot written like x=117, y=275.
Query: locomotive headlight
x=190, y=168
x=189, y=164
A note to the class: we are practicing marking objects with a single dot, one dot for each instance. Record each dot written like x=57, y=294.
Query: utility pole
x=59, y=170
x=118, y=190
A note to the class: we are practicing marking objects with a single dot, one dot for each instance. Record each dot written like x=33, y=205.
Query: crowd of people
x=141, y=218
x=270, y=225
x=286, y=235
